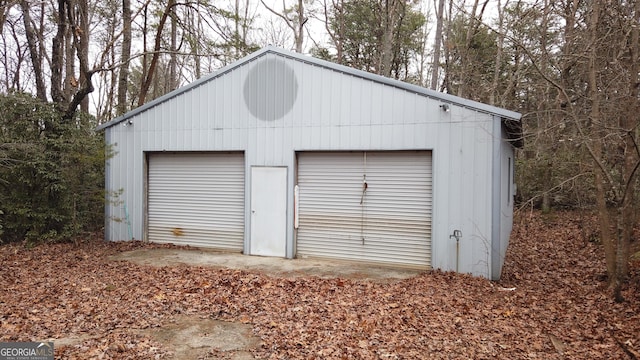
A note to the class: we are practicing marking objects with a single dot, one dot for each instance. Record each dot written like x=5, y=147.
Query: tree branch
x=549, y=191
x=286, y=19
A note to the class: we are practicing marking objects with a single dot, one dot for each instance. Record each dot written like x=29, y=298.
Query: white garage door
x=196, y=199
x=369, y=206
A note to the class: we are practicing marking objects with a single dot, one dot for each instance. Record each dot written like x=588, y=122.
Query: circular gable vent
x=270, y=89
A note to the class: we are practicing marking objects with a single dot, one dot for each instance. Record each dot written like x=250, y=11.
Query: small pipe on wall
x=457, y=234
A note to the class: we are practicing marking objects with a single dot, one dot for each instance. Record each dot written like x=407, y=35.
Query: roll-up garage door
x=368, y=206
x=196, y=199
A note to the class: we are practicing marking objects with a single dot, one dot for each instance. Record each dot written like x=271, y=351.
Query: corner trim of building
x=494, y=258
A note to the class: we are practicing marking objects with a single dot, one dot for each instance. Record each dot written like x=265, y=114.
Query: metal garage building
x=281, y=154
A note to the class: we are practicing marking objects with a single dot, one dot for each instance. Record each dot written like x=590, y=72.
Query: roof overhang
x=513, y=132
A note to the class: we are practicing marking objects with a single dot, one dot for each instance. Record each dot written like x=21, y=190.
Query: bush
x=51, y=172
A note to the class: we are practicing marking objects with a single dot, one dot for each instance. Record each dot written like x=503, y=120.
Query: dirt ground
x=195, y=337
x=133, y=300
x=192, y=337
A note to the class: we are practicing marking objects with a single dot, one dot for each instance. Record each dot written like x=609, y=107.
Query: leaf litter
x=552, y=303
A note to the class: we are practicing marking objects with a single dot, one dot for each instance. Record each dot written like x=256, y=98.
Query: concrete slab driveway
x=268, y=265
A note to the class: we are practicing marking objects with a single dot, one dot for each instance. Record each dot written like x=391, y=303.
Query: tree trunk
x=123, y=75
x=236, y=35
x=36, y=56
x=604, y=215
x=195, y=47
x=546, y=202
x=498, y=60
x=70, y=83
x=446, y=85
x=465, y=52
x=338, y=35
x=82, y=35
x=148, y=79
x=301, y=22
x=297, y=26
x=80, y=43
x=606, y=235
x=628, y=123
x=437, y=43
x=57, y=54
x=389, y=23
x=173, y=57
x=145, y=56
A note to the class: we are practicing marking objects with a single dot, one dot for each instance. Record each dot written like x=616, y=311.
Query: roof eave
x=185, y=88
x=443, y=97
x=514, y=132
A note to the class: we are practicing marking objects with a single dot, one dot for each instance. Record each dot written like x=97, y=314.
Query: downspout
x=496, y=175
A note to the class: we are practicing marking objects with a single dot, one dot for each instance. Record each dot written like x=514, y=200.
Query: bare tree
x=14, y=54
x=598, y=97
x=123, y=75
x=393, y=11
x=378, y=36
x=437, y=43
x=173, y=49
x=150, y=71
x=34, y=51
x=77, y=20
x=475, y=20
x=295, y=19
x=81, y=39
x=335, y=12
x=616, y=158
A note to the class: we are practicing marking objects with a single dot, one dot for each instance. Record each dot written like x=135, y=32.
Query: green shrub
x=51, y=172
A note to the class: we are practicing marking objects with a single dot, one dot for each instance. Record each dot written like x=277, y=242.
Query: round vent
x=270, y=89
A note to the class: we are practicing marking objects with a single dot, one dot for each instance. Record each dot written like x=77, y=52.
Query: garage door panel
x=341, y=221
x=393, y=216
x=197, y=199
x=178, y=221
x=371, y=254
x=187, y=227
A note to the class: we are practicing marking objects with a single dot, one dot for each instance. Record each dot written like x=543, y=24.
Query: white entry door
x=269, y=211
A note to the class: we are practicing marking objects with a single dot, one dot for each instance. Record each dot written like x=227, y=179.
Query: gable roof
x=511, y=116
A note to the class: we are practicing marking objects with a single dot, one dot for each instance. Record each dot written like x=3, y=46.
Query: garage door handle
x=364, y=189
x=253, y=211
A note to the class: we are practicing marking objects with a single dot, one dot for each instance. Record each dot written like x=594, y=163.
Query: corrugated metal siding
x=125, y=184
x=197, y=199
x=389, y=222
x=507, y=191
x=333, y=111
x=464, y=190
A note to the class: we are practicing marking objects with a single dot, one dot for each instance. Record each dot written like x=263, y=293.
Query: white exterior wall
x=333, y=111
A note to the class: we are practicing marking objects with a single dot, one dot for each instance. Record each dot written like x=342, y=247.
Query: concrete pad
x=268, y=265
x=191, y=337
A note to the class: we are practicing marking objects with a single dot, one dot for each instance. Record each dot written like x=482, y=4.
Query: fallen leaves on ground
x=552, y=303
